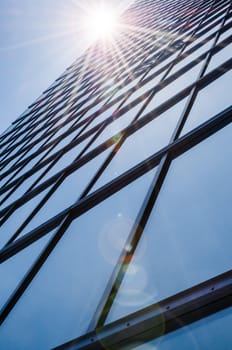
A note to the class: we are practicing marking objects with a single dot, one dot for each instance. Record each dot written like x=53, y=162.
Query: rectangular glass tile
x=212, y=332
x=187, y=239
x=62, y=299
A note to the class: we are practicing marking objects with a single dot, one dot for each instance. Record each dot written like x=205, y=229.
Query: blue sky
x=38, y=40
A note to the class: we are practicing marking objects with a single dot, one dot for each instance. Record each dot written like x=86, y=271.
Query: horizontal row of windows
x=120, y=178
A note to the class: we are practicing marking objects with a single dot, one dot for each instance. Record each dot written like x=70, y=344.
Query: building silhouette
x=116, y=192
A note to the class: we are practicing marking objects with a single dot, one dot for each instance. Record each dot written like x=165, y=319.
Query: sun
x=101, y=21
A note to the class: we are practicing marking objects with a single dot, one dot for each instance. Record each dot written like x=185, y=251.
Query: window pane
x=188, y=235
x=142, y=144
x=211, y=100
x=114, y=128
x=13, y=270
x=220, y=57
x=72, y=187
x=213, y=332
x=20, y=214
x=63, y=297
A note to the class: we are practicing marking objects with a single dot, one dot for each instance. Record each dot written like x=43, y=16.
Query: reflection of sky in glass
x=38, y=40
x=188, y=236
x=212, y=100
x=62, y=298
x=13, y=270
x=213, y=332
x=181, y=238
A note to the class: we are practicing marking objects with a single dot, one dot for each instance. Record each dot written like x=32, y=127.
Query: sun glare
x=101, y=22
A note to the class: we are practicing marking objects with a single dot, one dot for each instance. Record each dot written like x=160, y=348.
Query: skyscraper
x=115, y=191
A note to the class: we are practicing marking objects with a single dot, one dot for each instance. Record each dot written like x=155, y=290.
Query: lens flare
x=101, y=22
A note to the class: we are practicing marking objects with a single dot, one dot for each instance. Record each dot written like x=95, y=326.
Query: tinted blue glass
x=188, y=236
x=18, y=216
x=211, y=100
x=220, y=57
x=13, y=270
x=63, y=297
x=114, y=128
x=213, y=333
x=143, y=143
x=67, y=193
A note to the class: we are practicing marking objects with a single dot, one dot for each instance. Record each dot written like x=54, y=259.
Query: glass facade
x=115, y=191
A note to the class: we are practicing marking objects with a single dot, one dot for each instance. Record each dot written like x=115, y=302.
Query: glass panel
x=228, y=32
x=22, y=188
x=29, y=164
x=58, y=145
x=192, y=56
x=13, y=270
x=220, y=57
x=146, y=87
x=209, y=102
x=213, y=332
x=125, y=89
x=188, y=235
x=102, y=116
x=66, y=159
x=114, y=128
x=179, y=84
x=142, y=144
x=62, y=300
x=67, y=193
x=18, y=217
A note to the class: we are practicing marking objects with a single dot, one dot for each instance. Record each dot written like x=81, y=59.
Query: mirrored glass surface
x=62, y=299
x=187, y=239
x=67, y=193
x=13, y=270
x=211, y=100
x=213, y=332
x=143, y=143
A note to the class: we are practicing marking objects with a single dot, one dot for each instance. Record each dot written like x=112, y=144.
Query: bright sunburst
x=100, y=22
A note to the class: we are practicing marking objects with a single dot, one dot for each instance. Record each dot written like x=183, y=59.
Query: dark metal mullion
x=47, y=145
x=17, y=131
x=174, y=62
x=22, y=286
x=196, y=89
x=161, y=318
x=40, y=205
x=120, y=142
x=33, y=125
x=118, y=145
x=60, y=155
x=39, y=262
x=50, y=111
x=6, y=153
x=21, y=163
x=201, y=133
x=203, y=82
x=15, y=205
x=27, y=146
x=144, y=82
x=57, y=184
x=151, y=93
x=28, y=278
x=114, y=151
x=133, y=240
x=57, y=140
